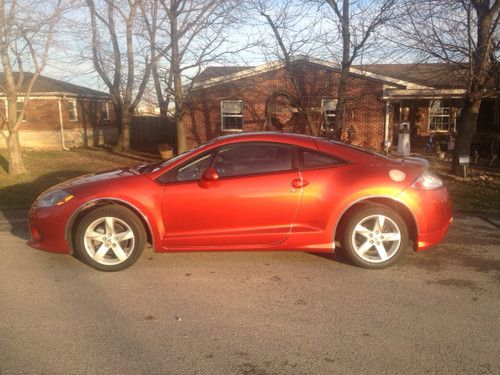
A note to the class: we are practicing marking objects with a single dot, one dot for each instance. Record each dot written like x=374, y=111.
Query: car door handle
x=299, y=183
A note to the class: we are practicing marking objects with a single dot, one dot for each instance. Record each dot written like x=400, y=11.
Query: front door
x=253, y=202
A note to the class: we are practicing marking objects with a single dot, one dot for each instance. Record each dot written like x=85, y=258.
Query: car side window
x=253, y=158
x=313, y=159
x=193, y=170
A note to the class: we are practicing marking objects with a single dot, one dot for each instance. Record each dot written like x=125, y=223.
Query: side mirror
x=210, y=174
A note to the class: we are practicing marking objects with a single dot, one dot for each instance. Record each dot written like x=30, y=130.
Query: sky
x=70, y=55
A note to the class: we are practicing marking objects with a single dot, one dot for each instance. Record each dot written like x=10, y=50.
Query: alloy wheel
x=376, y=238
x=109, y=240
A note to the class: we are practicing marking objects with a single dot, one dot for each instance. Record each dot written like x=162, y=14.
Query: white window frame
x=75, y=109
x=442, y=115
x=325, y=125
x=224, y=115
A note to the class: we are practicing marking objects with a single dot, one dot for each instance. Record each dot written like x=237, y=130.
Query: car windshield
x=157, y=165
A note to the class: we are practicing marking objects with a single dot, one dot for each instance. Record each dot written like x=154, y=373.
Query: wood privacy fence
x=147, y=131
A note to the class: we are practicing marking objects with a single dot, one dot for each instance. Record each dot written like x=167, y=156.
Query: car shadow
x=336, y=256
x=15, y=220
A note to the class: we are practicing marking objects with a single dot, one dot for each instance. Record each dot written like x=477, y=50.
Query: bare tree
x=357, y=22
x=190, y=34
x=293, y=36
x=460, y=33
x=26, y=35
x=115, y=25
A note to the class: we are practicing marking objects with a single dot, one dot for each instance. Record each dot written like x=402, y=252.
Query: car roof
x=271, y=136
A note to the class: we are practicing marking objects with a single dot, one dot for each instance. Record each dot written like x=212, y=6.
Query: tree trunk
x=340, y=111
x=16, y=164
x=466, y=129
x=123, y=143
x=344, y=74
x=181, y=134
x=176, y=75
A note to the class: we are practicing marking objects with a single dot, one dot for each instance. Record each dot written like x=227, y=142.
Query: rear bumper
x=426, y=240
x=432, y=213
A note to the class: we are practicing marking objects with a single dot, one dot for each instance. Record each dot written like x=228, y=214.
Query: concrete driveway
x=253, y=313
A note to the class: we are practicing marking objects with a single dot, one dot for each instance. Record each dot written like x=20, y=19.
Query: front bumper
x=47, y=229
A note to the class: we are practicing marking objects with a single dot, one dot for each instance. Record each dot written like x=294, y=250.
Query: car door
x=252, y=203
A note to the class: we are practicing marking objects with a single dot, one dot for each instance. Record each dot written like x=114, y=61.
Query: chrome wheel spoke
x=379, y=223
x=109, y=225
x=123, y=236
x=364, y=248
x=362, y=231
x=119, y=252
x=101, y=252
x=395, y=236
x=382, y=253
x=96, y=236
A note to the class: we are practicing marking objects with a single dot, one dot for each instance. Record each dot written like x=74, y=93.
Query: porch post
x=387, y=119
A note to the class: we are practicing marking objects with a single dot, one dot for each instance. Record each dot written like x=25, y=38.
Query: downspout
x=61, y=125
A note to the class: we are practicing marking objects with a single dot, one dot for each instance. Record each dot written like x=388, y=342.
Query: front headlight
x=54, y=198
x=428, y=181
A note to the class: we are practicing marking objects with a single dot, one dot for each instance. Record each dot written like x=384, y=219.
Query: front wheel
x=110, y=238
x=375, y=236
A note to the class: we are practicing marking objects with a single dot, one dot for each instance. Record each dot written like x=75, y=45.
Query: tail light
x=428, y=181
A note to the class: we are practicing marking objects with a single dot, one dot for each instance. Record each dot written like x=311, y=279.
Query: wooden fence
x=147, y=131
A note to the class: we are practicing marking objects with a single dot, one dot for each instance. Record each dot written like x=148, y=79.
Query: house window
x=439, y=117
x=232, y=115
x=19, y=108
x=71, y=105
x=329, y=109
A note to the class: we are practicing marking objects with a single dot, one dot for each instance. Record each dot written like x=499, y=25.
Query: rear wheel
x=110, y=238
x=375, y=236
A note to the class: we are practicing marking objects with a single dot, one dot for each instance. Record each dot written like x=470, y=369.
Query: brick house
x=60, y=114
x=224, y=100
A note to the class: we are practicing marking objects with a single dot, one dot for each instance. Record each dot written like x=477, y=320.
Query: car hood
x=93, y=177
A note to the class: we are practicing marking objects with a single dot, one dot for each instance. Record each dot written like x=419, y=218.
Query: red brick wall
x=43, y=114
x=365, y=109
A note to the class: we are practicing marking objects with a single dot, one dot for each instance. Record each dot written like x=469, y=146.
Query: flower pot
x=166, y=150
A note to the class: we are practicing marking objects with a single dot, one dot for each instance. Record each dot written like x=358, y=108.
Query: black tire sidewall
x=356, y=217
x=118, y=212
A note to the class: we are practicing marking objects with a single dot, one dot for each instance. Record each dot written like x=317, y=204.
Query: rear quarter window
x=312, y=159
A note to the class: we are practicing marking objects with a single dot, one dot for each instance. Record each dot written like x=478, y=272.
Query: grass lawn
x=47, y=168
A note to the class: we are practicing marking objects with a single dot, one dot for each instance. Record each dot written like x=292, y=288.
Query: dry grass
x=478, y=193
x=47, y=168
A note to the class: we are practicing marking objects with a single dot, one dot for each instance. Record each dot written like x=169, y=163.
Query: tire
x=110, y=238
x=374, y=237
